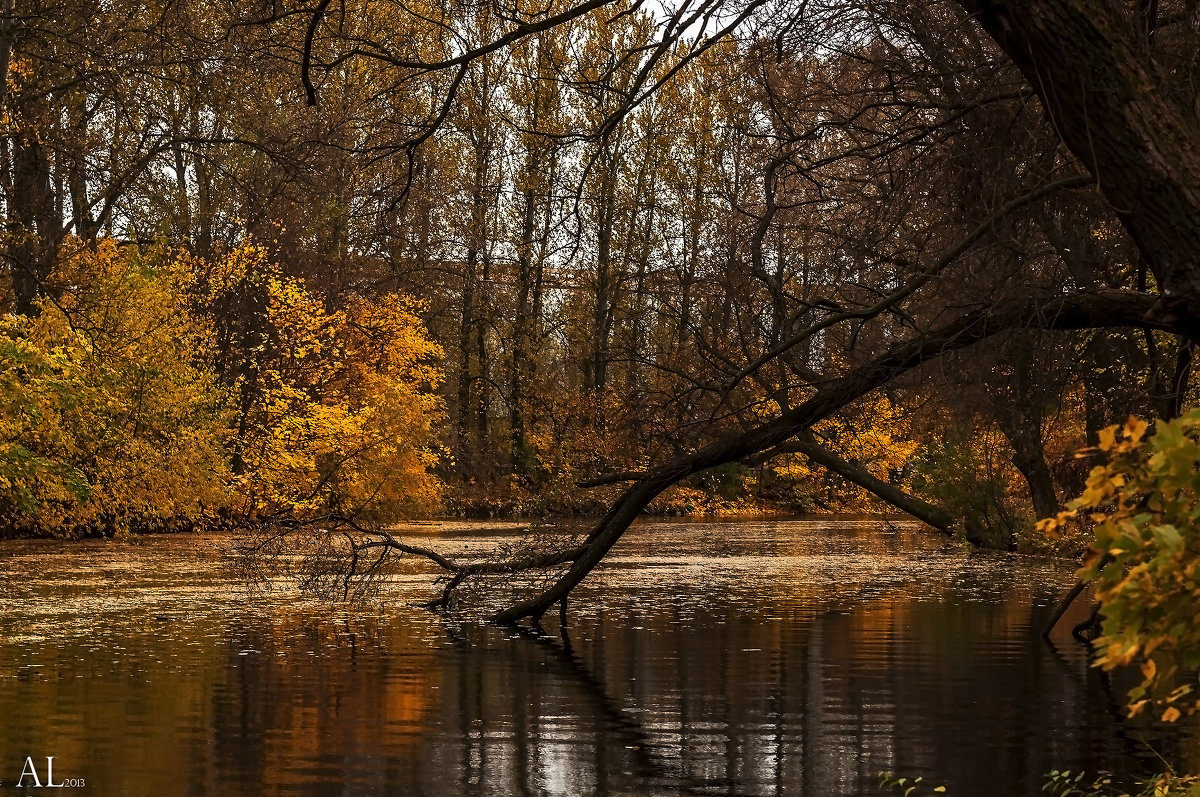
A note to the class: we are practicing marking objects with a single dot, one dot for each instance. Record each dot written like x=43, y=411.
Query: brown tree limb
x=806, y=443
x=1084, y=60
x=520, y=31
x=611, y=478
x=310, y=91
x=1086, y=310
x=369, y=547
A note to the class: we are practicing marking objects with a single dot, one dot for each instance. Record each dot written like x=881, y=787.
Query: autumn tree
x=901, y=276
x=333, y=410
x=650, y=244
x=111, y=422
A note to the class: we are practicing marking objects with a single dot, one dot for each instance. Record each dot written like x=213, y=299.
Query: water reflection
x=759, y=659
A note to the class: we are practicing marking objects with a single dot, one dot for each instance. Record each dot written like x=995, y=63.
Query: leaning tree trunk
x=1106, y=308
x=806, y=443
x=1091, y=70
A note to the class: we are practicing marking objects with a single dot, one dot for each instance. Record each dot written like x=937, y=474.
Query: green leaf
x=1168, y=537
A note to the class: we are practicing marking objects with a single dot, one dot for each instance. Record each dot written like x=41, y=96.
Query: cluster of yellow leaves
x=874, y=434
x=1145, y=559
x=113, y=415
x=108, y=417
x=878, y=437
x=341, y=411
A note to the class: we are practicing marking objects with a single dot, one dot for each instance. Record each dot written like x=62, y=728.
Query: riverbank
x=509, y=498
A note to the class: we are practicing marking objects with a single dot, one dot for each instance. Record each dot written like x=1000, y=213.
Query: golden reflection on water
x=793, y=658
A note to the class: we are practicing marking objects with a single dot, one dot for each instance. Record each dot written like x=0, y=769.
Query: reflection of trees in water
x=807, y=706
x=306, y=702
x=674, y=698
x=654, y=764
x=575, y=731
x=779, y=689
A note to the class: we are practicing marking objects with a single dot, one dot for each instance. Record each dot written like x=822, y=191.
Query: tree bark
x=39, y=231
x=605, y=298
x=1085, y=61
x=1020, y=419
x=1030, y=459
x=468, y=321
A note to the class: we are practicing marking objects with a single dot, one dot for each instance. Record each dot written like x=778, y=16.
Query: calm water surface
x=745, y=658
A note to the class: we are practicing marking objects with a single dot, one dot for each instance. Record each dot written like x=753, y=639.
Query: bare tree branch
x=931, y=271
x=1079, y=311
x=310, y=90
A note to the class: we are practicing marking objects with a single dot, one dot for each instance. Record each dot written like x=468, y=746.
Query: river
x=796, y=657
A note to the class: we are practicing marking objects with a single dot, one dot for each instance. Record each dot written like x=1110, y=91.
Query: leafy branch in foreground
x=1062, y=783
x=1145, y=560
x=1068, y=784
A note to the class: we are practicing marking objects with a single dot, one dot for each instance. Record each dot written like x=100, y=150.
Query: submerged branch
x=1069, y=598
x=340, y=556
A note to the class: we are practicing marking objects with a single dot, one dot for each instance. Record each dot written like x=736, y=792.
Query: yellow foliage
x=111, y=421
x=336, y=406
x=1145, y=561
x=874, y=434
x=878, y=437
x=122, y=408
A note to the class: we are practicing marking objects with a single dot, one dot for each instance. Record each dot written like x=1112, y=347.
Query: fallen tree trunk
x=1079, y=311
x=974, y=529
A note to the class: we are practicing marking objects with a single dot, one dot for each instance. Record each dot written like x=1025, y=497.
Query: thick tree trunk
x=38, y=231
x=604, y=299
x=1020, y=420
x=1024, y=434
x=205, y=204
x=6, y=41
x=483, y=380
x=1180, y=381
x=81, y=208
x=1086, y=62
x=182, y=194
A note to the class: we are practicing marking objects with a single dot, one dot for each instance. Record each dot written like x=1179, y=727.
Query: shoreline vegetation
x=154, y=390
